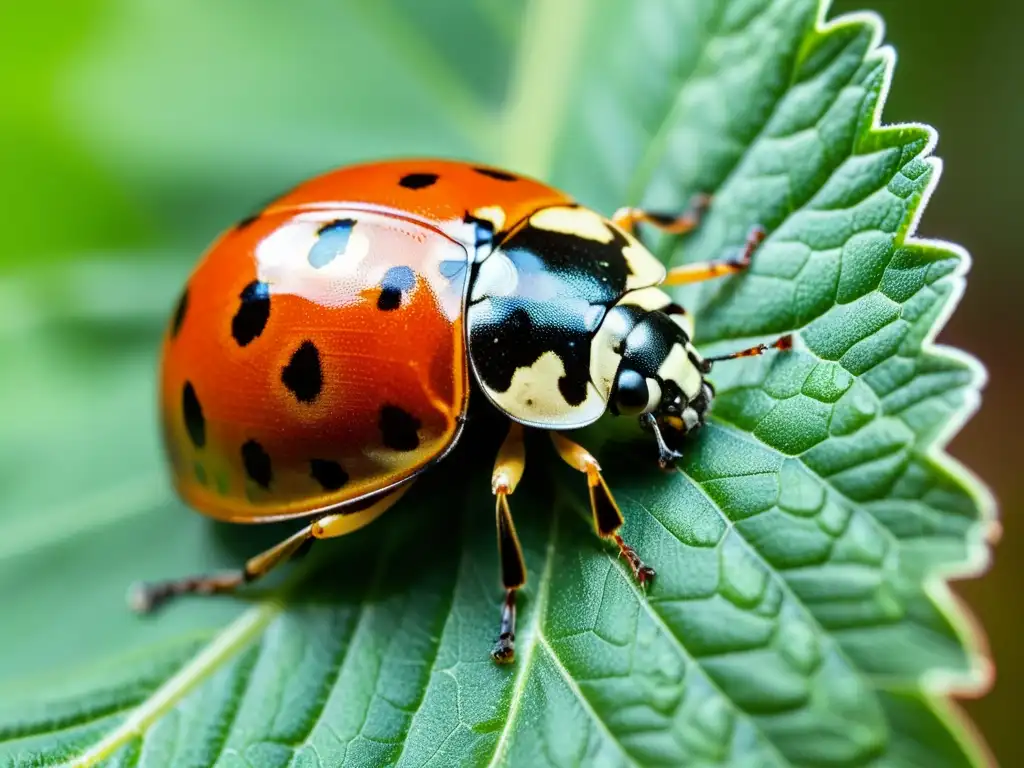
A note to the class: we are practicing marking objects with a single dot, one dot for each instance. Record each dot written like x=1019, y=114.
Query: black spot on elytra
x=396, y=281
x=179, y=313
x=253, y=313
x=417, y=180
x=332, y=242
x=389, y=299
x=195, y=423
x=257, y=463
x=399, y=428
x=496, y=174
x=303, y=375
x=328, y=473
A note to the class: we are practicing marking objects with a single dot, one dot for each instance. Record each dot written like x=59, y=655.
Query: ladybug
x=323, y=351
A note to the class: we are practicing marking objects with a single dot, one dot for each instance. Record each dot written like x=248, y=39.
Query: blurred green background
x=135, y=130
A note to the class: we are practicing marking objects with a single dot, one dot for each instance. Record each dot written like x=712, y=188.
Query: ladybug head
x=661, y=375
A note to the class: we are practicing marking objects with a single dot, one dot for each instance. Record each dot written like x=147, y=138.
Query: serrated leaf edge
x=988, y=525
x=939, y=686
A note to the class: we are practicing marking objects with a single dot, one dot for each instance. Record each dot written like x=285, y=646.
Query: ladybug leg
x=666, y=456
x=339, y=524
x=144, y=598
x=706, y=270
x=508, y=469
x=672, y=223
x=607, y=515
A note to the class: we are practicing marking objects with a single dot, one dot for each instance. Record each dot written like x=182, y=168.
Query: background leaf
x=797, y=617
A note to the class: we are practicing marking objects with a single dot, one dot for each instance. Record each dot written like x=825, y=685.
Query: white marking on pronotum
x=581, y=222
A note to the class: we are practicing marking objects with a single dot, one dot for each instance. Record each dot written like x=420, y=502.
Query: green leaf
x=800, y=614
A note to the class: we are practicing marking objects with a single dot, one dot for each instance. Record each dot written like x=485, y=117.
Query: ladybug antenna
x=783, y=343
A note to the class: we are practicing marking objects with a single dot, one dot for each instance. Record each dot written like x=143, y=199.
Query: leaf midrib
x=364, y=611
x=224, y=646
x=574, y=687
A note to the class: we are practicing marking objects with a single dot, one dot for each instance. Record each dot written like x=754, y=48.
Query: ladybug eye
x=632, y=394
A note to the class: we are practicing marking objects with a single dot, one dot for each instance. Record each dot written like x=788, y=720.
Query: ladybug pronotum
x=323, y=352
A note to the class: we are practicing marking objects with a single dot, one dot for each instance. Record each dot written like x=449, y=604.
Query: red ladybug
x=322, y=353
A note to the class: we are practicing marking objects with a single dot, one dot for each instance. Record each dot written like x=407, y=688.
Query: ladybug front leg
x=144, y=598
x=508, y=469
x=607, y=515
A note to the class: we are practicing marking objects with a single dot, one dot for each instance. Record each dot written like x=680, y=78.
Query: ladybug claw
x=666, y=456
x=142, y=599
x=504, y=651
x=644, y=575
x=755, y=237
x=642, y=572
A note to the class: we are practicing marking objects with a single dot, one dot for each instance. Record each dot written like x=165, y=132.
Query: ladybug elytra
x=323, y=352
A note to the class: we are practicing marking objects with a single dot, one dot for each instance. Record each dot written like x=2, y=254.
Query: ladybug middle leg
x=508, y=470
x=607, y=515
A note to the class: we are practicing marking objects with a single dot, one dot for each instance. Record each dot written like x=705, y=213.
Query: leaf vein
x=417, y=708
x=534, y=635
x=648, y=606
x=235, y=704
x=339, y=664
x=573, y=686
